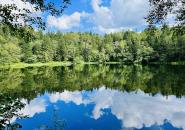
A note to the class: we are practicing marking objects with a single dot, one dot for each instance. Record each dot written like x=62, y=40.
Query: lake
x=93, y=97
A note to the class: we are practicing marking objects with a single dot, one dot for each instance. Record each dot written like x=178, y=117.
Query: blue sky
x=100, y=16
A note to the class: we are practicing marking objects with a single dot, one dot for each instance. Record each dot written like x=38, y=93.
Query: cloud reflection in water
x=134, y=109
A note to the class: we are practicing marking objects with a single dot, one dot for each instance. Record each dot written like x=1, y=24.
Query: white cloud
x=111, y=30
x=133, y=109
x=119, y=15
x=102, y=15
x=66, y=22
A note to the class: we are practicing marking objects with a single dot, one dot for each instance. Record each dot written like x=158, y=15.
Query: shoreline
x=52, y=64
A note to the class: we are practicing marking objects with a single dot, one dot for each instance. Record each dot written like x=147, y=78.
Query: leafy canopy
x=160, y=9
x=11, y=14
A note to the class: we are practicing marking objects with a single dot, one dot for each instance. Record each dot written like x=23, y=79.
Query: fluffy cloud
x=111, y=30
x=119, y=15
x=66, y=22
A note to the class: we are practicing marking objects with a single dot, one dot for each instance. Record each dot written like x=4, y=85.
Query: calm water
x=93, y=97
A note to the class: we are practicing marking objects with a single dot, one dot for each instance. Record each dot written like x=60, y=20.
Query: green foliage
x=160, y=9
x=10, y=52
x=151, y=45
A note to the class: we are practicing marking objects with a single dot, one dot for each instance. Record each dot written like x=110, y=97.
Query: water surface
x=94, y=97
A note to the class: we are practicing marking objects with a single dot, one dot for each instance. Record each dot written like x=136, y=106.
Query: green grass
x=24, y=65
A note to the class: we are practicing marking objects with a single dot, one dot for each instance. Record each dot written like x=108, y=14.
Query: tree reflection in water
x=28, y=83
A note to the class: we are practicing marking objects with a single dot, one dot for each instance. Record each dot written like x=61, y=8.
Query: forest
x=26, y=45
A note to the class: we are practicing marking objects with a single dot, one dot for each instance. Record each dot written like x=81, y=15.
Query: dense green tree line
x=29, y=46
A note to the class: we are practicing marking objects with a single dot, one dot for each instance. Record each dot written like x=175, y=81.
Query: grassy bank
x=24, y=65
